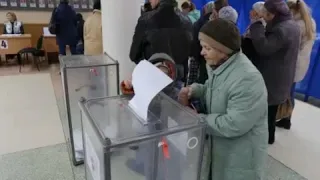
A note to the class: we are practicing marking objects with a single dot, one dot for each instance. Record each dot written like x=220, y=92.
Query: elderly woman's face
x=211, y=55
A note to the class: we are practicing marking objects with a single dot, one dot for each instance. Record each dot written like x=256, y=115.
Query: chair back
x=40, y=43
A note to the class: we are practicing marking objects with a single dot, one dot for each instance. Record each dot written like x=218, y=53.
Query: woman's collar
x=219, y=69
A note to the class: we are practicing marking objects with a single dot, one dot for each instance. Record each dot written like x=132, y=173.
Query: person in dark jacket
x=162, y=30
x=198, y=71
x=246, y=42
x=80, y=40
x=277, y=46
x=66, y=21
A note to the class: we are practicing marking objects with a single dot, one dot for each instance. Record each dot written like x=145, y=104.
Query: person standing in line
x=277, y=46
x=93, y=31
x=189, y=9
x=303, y=17
x=235, y=97
x=80, y=24
x=66, y=24
x=163, y=30
x=198, y=71
x=246, y=42
x=197, y=64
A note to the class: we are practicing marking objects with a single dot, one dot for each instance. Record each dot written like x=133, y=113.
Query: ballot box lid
x=80, y=61
x=118, y=125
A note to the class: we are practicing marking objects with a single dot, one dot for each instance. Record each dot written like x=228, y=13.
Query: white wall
x=119, y=18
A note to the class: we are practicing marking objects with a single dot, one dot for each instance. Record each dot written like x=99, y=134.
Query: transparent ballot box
x=90, y=77
x=120, y=145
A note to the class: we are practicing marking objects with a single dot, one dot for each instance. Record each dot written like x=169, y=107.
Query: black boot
x=271, y=139
x=284, y=123
x=272, y=131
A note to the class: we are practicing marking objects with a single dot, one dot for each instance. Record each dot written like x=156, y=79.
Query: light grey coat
x=306, y=45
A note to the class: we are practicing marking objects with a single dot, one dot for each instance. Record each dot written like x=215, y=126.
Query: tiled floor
x=53, y=162
x=29, y=113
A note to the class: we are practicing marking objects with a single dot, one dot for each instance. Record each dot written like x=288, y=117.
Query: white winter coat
x=305, y=50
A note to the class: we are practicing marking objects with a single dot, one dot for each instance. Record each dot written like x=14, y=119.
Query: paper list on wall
x=147, y=81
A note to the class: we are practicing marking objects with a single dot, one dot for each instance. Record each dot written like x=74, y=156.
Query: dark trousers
x=272, y=113
x=62, y=49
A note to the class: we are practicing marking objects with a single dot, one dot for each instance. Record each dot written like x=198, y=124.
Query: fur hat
x=221, y=34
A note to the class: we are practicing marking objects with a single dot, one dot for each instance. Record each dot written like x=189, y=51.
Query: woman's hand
x=254, y=16
x=127, y=84
x=184, y=96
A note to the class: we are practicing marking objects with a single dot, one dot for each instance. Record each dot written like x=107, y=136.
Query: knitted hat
x=228, y=13
x=165, y=61
x=222, y=35
x=277, y=7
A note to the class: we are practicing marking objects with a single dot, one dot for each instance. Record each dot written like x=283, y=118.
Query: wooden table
x=50, y=43
x=50, y=47
x=12, y=44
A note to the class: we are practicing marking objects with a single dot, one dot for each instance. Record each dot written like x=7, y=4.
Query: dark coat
x=163, y=30
x=66, y=22
x=201, y=69
x=249, y=50
x=278, y=47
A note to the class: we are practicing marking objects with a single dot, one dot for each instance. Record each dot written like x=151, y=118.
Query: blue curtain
x=310, y=86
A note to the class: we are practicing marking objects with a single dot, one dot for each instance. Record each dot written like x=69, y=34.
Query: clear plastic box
x=90, y=77
x=118, y=145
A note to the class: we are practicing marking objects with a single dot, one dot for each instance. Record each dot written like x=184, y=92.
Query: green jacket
x=236, y=100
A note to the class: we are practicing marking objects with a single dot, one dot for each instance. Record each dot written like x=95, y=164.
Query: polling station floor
x=33, y=145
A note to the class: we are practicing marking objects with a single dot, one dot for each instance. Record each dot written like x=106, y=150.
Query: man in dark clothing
x=66, y=22
x=277, y=46
x=163, y=30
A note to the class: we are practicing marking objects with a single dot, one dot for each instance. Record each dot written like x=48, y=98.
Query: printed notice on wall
x=92, y=160
x=50, y=3
x=13, y=3
x=42, y=4
x=91, y=4
x=4, y=44
x=84, y=4
x=76, y=4
x=23, y=3
x=33, y=3
x=3, y=3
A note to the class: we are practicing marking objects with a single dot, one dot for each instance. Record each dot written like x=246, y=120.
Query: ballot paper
x=147, y=82
x=46, y=32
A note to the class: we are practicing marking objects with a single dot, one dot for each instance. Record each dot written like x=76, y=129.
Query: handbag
x=52, y=24
x=284, y=110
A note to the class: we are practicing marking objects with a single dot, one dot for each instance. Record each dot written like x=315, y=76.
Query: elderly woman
x=246, y=45
x=237, y=109
x=303, y=17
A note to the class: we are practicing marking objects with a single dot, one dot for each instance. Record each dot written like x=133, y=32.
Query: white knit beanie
x=228, y=13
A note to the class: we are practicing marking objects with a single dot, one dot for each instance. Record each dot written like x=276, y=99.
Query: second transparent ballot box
x=90, y=77
x=120, y=145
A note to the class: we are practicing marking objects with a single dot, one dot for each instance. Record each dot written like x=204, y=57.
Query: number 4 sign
x=4, y=44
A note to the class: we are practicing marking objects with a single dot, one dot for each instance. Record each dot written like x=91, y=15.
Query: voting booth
x=85, y=76
x=119, y=144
